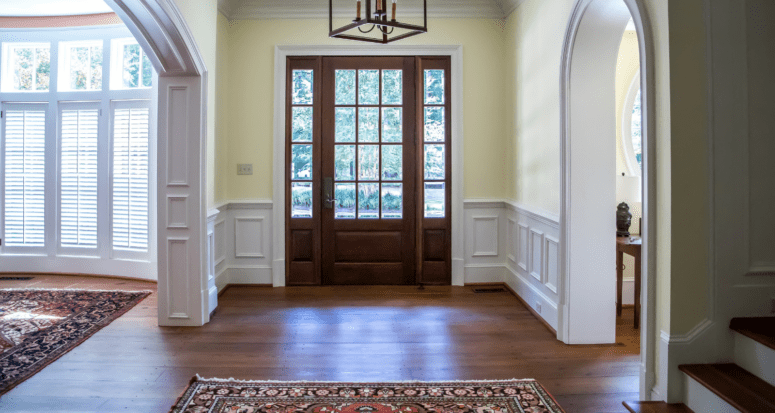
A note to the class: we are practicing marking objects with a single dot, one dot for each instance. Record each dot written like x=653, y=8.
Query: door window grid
x=302, y=98
x=434, y=136
x=368, y=174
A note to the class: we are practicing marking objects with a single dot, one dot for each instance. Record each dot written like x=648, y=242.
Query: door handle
x=328, y=191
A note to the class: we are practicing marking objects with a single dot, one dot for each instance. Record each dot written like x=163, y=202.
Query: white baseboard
x=539, y=302
x=250, y=275
x=484, y=273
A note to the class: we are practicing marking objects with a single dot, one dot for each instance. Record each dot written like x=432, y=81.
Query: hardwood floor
x=325, y=333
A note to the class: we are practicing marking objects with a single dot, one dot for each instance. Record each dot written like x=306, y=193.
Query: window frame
x=17, y=249
x=105, y=98
x=629, y=102
x=6, y=83
x=64, y=67
x=128, y=253
x=116, y=49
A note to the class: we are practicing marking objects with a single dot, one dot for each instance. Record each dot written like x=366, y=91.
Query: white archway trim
x=626, y=128
x=281, y=53
x=647, y=81
x=184, y=286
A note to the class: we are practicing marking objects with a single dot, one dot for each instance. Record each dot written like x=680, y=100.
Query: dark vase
x=623, y=220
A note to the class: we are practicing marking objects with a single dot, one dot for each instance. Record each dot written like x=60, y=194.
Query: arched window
x=631, y=128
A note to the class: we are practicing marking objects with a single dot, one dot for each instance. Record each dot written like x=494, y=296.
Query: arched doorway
x=186, y=297
x=591, y=44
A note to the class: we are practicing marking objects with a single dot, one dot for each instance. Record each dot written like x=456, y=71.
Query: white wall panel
x=248, y=237
x=177, y=211
x=537, y=255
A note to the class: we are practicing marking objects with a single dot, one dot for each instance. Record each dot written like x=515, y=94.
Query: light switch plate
x=245, y=169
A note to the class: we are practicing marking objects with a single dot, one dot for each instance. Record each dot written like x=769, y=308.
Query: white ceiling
x=52, y=7
x=279, y=9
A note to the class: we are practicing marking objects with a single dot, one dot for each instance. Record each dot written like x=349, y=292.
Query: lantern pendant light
x=378, y=20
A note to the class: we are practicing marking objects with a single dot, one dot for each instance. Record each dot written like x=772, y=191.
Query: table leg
x=619, y=276
x=637, y=290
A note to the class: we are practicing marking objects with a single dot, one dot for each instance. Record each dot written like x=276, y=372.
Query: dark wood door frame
x=427, y=239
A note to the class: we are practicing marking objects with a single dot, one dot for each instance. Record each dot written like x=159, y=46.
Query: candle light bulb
x=394, y=10
x=358, y=8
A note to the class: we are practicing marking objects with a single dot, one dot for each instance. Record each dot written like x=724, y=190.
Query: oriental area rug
x=236, y=396
x=39, y=326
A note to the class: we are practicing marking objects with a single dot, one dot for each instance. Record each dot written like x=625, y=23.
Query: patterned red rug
x=39, y=326
x=236, y=396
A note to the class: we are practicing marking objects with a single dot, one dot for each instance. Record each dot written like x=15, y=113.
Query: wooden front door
x=355, y=185
x=368, y=170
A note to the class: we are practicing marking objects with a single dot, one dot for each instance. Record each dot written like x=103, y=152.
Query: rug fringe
x=78, y=290
x=233, y=380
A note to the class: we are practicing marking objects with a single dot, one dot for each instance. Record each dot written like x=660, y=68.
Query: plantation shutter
x=78, y=178
x=130, y=178
x=25, y=142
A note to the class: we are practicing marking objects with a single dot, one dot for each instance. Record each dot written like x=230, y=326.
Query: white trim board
x=278, y=180
x=592, y=24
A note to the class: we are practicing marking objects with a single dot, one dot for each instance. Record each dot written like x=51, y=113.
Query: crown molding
x=508, y=6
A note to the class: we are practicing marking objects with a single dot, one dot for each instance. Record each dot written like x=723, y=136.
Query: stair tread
x=656, y=407
x=761, y=329
x=735, y=385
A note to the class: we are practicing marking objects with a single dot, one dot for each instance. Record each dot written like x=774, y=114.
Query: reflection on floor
x=325, y=333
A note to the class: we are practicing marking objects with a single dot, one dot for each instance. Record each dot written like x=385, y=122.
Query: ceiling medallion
x=379, y=20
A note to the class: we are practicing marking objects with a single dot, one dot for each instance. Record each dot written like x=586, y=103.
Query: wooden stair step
x=761, y=329
x=656, y=407
x=735, y=385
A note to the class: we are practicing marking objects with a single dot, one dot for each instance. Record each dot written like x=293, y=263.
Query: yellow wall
x=534, y=38
x=221, y=109
x=251, y=105
x=201, y=17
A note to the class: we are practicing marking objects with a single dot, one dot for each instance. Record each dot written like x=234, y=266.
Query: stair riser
x=700, y=399
x=755, y=357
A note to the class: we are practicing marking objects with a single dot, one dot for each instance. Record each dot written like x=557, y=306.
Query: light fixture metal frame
x=382, y=20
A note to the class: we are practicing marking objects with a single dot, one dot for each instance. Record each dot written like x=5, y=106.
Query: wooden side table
x=630, y=246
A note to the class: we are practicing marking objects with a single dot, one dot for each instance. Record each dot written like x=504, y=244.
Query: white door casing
x=182, y=104
x=593, y=35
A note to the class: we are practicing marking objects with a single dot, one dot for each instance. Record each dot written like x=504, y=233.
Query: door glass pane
x=302, y=87
x=345, y=125
x=434, y=199
x=368, y=162
x=434, y=124
x=434, y=162
x=345, y=201
x=368, y=201
x=301, y=200
x=368, y=124
x=392, y=89
x=434, y=87
x=391, y=125
x=302, y=124
x=368, y=87
x=392, y=166
x=301, y=162
x=392, y=200
x=345, y=87
x=344, y=162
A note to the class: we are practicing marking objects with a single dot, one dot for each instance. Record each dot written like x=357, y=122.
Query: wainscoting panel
x=523, y=246
x=485, y=236
x=551, y=263
x=537, y=255
x=248, y=233
x=177, y=211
